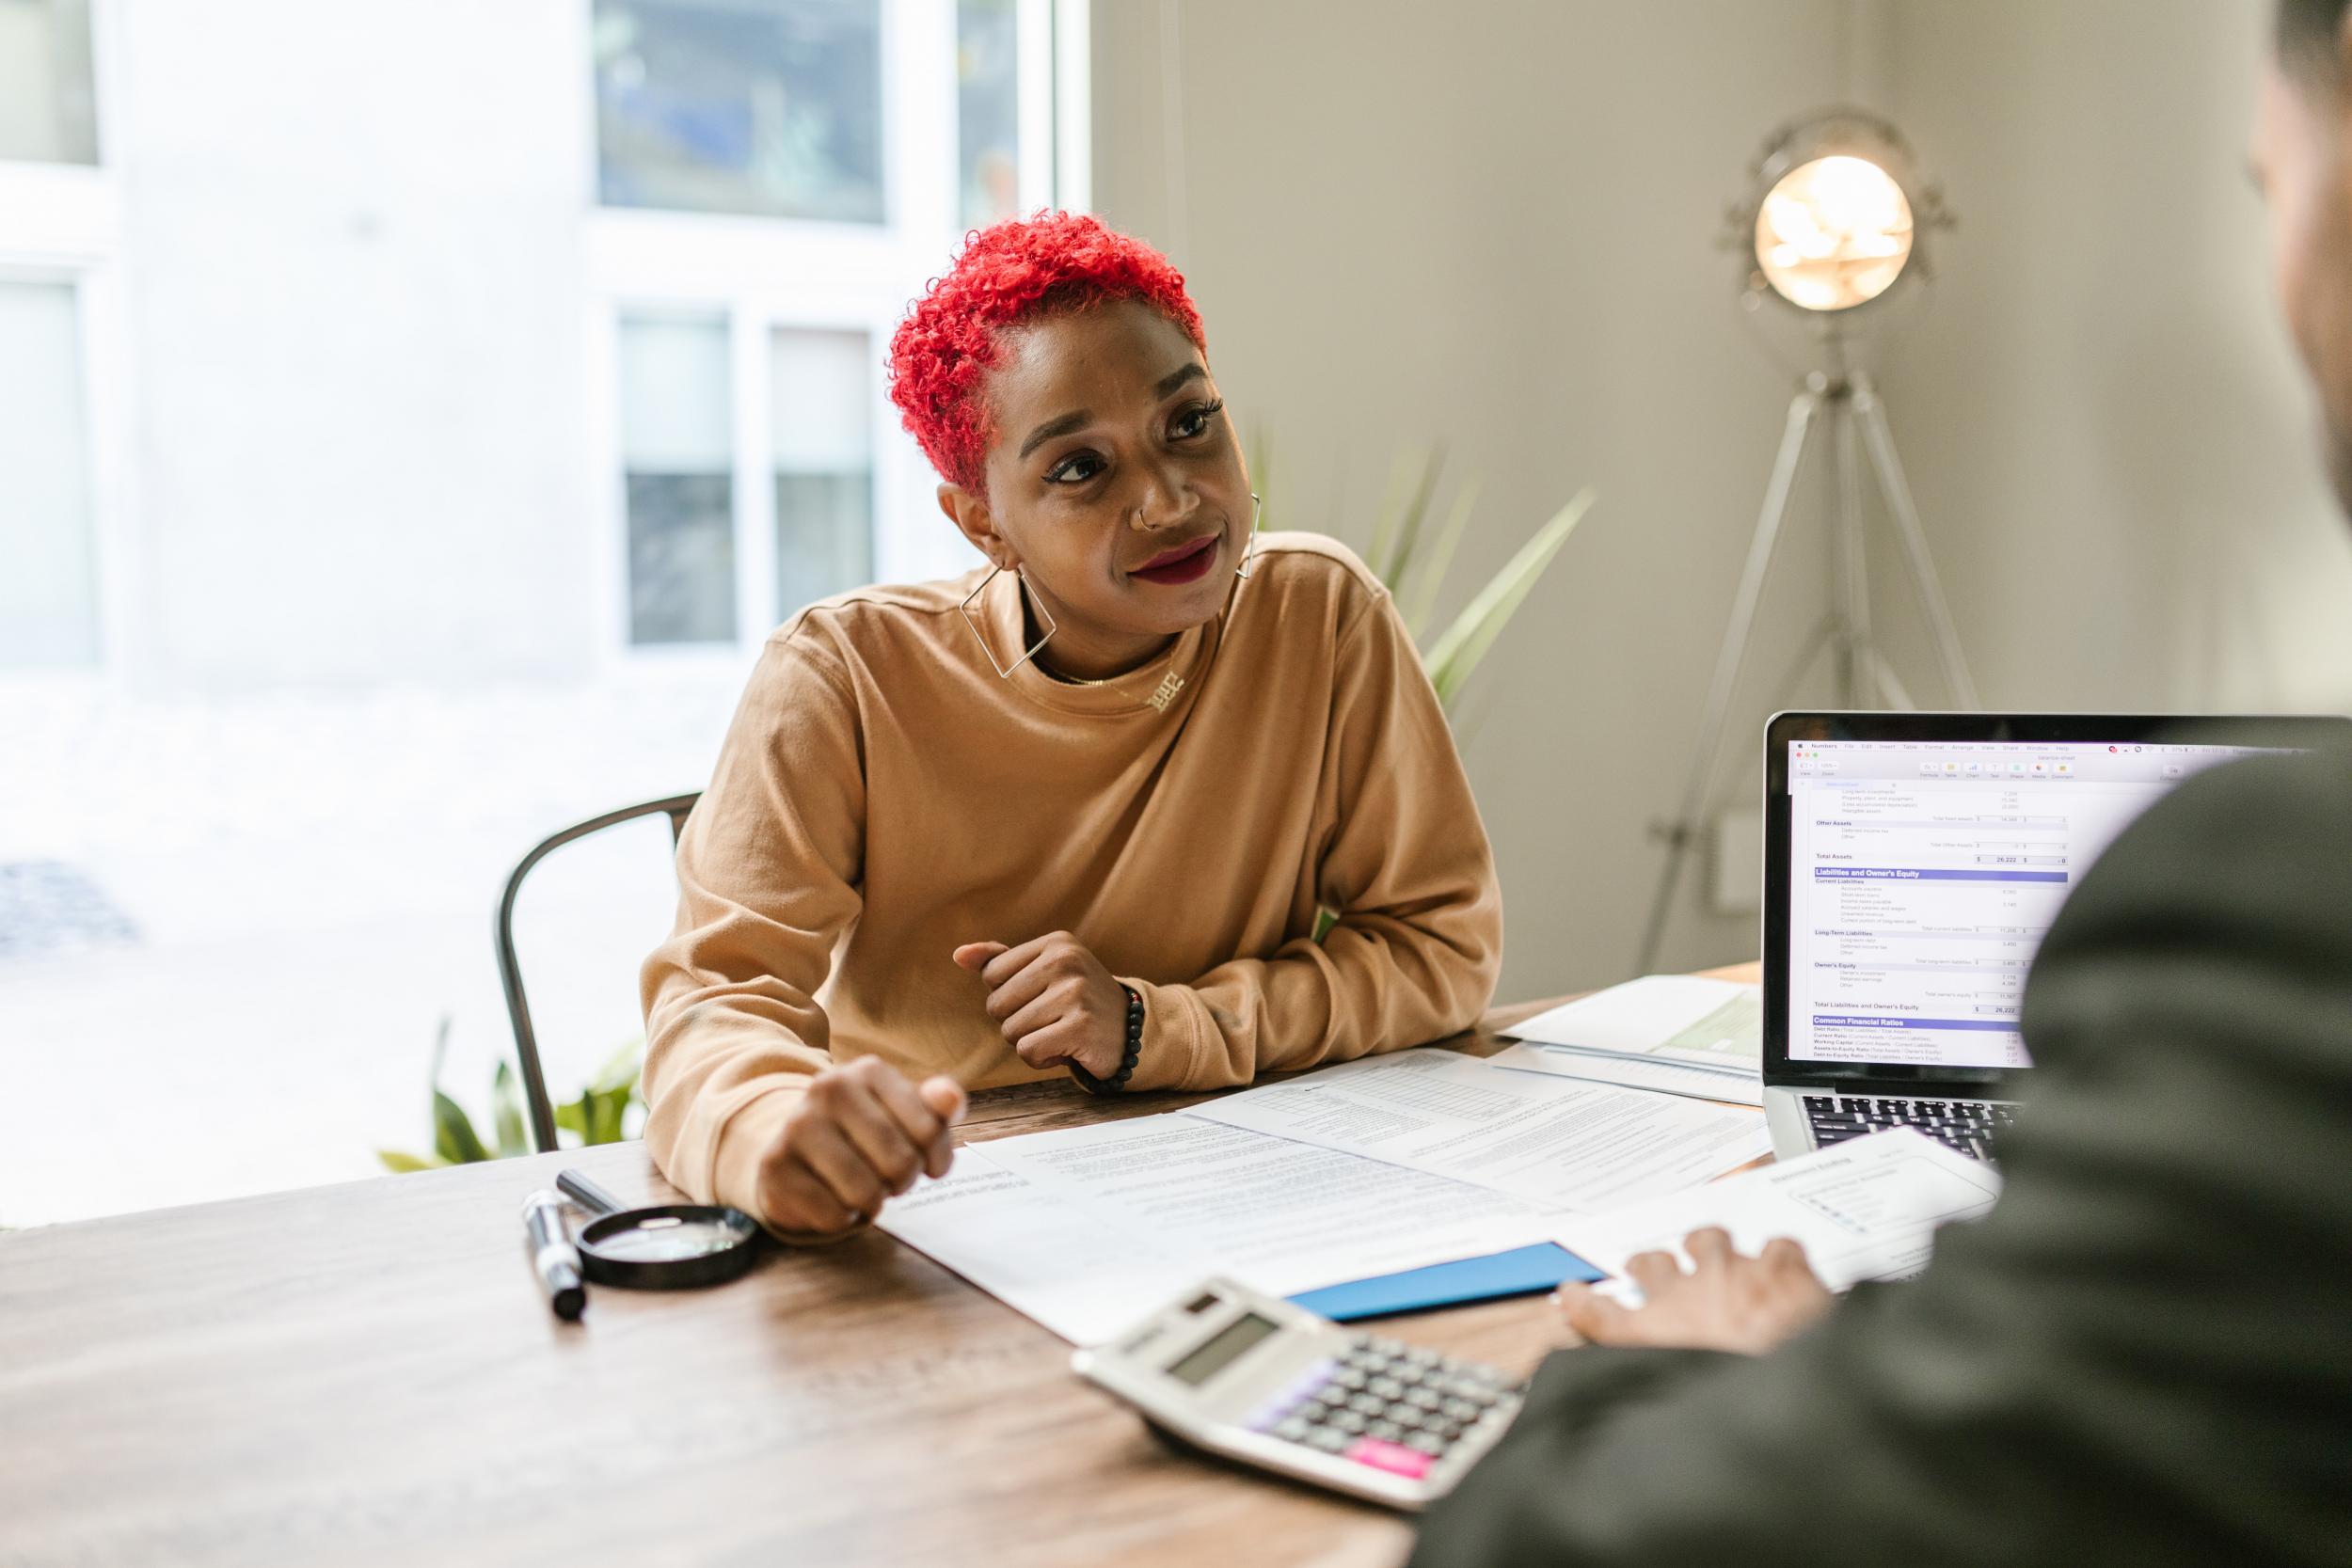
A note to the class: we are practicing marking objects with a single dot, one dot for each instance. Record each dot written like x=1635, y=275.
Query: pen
x=553, y=1256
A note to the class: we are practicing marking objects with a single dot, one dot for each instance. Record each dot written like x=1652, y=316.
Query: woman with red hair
x=1075, y=812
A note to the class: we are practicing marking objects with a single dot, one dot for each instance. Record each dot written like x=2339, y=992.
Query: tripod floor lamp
x=1835, y=219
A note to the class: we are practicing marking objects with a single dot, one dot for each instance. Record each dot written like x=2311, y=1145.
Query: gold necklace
x=1165, y=693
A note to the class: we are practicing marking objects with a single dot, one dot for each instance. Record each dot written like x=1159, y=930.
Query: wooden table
x=367, y=1373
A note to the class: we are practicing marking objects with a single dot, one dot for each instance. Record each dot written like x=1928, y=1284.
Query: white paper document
x=1633, y=1073
x=1088, y=1228
x=1555, y=1140
x=1867, y=1209
x=1683, y=1018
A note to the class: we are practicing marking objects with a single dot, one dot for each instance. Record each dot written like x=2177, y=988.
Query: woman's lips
x=1185, y=564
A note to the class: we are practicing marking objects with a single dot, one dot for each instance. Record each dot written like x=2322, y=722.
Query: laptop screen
x=1922, y=876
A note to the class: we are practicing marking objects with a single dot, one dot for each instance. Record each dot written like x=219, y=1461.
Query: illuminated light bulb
x=1833, y=234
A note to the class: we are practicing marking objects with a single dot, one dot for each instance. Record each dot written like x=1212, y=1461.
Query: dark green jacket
x=2142, y=1356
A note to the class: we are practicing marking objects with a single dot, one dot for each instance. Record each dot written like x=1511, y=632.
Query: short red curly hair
x=1010, y=274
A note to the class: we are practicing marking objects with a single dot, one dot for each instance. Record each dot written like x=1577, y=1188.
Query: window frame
x=645, y=262
x=63, y=224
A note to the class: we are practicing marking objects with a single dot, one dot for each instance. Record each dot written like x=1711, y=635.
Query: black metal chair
x=510, y=968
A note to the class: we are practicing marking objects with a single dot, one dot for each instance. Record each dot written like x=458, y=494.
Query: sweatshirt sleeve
x=769, y=870
x=1419, y=943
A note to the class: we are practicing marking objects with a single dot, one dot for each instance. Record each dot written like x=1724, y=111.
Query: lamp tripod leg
x=1897, y=694
x=1889, y=467
x=1728, y=658
x=1857, y=668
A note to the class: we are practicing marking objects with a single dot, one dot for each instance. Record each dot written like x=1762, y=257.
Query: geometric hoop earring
x=1003, y=672
x=1249, y=557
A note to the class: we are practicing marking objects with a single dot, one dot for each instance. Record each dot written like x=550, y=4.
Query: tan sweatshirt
x=883, y=797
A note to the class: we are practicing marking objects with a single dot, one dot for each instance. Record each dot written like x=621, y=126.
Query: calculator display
x=1220, y=1352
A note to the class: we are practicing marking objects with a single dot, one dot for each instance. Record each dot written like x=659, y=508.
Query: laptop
x=1913, y=863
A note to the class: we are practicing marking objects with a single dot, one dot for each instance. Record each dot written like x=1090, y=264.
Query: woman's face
x=1114, y=484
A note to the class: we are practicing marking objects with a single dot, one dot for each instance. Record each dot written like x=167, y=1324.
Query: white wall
x=353, y=239
x=2104, y=419
x=1495, y=225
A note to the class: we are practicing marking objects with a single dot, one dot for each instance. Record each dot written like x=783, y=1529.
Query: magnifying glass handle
x=587, y=1194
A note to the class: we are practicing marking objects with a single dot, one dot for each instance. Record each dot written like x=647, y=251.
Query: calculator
x=1252, y=1378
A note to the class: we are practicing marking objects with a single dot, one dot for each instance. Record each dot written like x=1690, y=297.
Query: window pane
x=677, y=454
x=49, y=590
x=820, y=394
x=988, y=109
x=48, y=109
x=771, y=109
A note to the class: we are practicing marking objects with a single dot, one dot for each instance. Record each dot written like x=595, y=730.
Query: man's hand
x=1054, y=1000
x=860, y=1135
x=1729, y=1301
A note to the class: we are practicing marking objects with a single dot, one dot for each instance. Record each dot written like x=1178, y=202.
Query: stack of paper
x=1378, y=1165
x=1681, y=1034
x=1867, y=1208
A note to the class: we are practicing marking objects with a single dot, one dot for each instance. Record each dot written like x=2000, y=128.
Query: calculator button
x=1387, y=1431
x=1459, y=1409
x=1347, y=1421
x=1328, y=1440
x=1446, y=1430
x=1387, y=1388
x=1425, y=1442
x=1311, y=1377
x=1423, y=1357
x=1368, y=1404
x=1426, y=1398
x=1293, y=1430
x=1392, y=1457
x=1405, y=1415
x=1350, y=1378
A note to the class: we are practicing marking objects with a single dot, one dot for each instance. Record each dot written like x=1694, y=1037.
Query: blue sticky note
x=1522, y=1271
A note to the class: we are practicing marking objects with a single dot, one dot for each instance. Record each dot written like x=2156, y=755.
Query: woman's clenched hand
x=1054, y=1000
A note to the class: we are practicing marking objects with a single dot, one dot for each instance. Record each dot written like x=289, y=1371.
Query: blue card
x=1522, y=1271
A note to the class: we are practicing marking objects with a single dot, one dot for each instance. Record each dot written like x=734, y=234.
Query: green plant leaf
x=440, y=1051
x=604, y=1111
x=454, y=1137
x=1409, y=526
x=1422, y=594
x=1392, y=496
x=506, y=1113
x=401, y=1161
x=571, y=1116
x=1456, y=655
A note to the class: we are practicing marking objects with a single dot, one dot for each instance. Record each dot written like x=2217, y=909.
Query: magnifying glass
x=664, y=1247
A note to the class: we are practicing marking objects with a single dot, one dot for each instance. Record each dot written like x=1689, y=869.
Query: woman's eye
x=1192, y=422
x=1074, y=469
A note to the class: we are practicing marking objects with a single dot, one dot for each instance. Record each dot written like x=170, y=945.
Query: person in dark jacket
x=2143, y=1355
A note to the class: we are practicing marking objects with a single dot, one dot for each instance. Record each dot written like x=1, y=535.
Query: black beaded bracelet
x=1117, y=1081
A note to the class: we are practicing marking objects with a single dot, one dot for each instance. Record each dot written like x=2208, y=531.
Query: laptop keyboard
x=1971, y=1126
